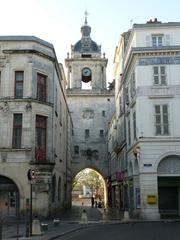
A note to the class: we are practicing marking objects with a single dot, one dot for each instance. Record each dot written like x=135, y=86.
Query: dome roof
x=89, y=46
x=86, y=45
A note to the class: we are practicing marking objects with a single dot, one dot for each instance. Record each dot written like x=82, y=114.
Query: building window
x=121, y=104
x=41, y=129
x=133, y=85
x=41, y=87
x=60, y=113
x=103, y=113
x=134, y=124
x=76, y=149
x=161, y=120
x=157, y=40
x=87, y=133
x=59, y=189
x=127, y=95
x=159, y=75
x=101, y=133
x=129, y=131
x=18, y=89
x=17, y=130
x=53, y=188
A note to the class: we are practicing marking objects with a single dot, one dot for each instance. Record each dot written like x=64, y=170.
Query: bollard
x=84, y=218
x=36, y=228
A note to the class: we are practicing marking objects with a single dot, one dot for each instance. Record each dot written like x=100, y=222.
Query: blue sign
x=159, y=60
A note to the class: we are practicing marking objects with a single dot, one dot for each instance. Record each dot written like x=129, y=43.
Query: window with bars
x=159, y=74
x=41, y=87
x=17, y=130
x=18, y=87
x=41, y=130
x=157, y=40
x=161, y=120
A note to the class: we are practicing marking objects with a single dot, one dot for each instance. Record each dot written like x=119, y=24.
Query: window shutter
x=167, y=39
x=148, y=41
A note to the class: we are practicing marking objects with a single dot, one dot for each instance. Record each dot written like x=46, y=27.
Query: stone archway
x=9, y=197
x=88, y=192
x=168, y=172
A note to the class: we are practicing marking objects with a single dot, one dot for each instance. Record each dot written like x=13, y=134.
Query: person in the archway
x=92, y=201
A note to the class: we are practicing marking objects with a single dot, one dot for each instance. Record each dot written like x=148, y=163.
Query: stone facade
x=24, y=60
x=147, y=135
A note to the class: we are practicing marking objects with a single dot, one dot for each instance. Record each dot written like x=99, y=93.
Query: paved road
x=130, y=231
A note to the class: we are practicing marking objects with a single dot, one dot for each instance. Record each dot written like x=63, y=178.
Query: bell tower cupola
x=86, y=67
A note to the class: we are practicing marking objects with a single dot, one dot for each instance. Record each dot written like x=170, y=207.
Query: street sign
x=31, y=174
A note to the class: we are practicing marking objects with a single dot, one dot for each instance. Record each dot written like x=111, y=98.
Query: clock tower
x=86, y=67
x=91, y=104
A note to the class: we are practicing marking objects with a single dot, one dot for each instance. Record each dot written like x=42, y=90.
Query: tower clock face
x=86, y=72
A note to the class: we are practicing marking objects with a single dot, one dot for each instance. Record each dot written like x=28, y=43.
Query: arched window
x=59, y=189
x=53, y=188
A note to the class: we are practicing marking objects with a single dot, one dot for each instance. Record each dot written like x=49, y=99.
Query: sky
x=59, y=21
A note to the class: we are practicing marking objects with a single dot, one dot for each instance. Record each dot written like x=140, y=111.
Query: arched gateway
x=169, y=185
x=96, y=187
x=9, y=197
x=91, y=106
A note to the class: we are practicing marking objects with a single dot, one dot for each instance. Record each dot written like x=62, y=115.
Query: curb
x=67, y=232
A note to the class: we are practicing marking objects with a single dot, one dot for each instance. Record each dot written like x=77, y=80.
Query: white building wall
x=146, y=151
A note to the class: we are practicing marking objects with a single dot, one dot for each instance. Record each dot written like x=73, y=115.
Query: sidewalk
x=10, y=231
x=70, y=220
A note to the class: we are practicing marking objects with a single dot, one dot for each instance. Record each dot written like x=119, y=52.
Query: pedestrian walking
x=92, y=201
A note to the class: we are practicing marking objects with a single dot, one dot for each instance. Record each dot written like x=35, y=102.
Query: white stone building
x=91, y=104
x=35, y=127
x=147, y=142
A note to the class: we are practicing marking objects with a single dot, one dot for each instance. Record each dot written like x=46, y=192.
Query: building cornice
x=29, y=51
x=149, y=52
x=156, y=25
x=25, y=39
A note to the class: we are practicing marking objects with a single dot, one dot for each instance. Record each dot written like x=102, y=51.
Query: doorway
x=9, y=197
